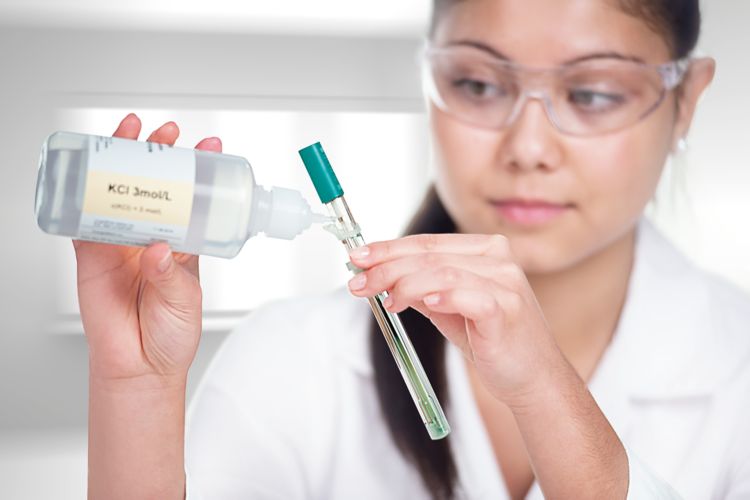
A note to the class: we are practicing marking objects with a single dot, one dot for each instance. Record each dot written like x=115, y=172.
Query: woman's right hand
x=140, y=307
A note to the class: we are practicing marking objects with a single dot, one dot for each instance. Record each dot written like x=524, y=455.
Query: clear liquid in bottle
x=126, y=192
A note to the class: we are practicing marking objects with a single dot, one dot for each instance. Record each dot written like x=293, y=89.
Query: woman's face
x=493, y=181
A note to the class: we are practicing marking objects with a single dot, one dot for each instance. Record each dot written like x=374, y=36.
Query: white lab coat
x=288, y=409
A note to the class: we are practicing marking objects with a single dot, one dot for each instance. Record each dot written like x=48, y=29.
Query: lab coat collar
x=667, y=345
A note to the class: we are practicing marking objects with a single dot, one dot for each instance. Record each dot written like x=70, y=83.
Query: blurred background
x=269, y=78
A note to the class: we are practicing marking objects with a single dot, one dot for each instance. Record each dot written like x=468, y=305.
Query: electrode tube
x=348, y=232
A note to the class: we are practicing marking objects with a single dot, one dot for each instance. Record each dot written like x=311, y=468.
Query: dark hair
x=678, y=21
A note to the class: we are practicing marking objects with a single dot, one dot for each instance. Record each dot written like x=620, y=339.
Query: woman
x=585, y=358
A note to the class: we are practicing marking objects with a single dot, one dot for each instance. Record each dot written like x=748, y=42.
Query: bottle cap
x=321, y=173
x=289, y=214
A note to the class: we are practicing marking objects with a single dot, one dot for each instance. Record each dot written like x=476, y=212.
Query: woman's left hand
x=476, y=295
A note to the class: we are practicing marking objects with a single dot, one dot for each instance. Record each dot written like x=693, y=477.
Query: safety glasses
x=590, y=97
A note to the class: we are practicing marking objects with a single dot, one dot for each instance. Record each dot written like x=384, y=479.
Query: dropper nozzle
x=322, y=218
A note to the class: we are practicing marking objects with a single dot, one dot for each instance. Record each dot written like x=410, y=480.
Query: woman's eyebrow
x=594, y=55
x=481, y=46
x=605, y=55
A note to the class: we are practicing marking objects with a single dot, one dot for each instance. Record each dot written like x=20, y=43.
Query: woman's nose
x=531, y=140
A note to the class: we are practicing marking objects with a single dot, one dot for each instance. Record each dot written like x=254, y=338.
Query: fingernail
x=388, y=302
x=165, y=261
x=431, y=299
x=359, y=253
x=358, y=282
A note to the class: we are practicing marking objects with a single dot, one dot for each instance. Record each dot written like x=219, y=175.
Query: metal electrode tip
x=321, y=173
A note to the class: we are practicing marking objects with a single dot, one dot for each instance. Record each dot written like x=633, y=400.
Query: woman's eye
x=478, y=88
x=591, y=100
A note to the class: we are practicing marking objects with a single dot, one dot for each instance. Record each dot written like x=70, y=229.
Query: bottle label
x=137, y=192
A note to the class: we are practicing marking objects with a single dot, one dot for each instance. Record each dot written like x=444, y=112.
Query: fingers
x=129, y=127
x=166, y=134
x=173, y=282
x=384, y=276
x=188, y=261
x=484, y=309
x=452, y=326
x=210, y=144
x=472, y=319
x=477, y=305
x=495, y=245
x=415, y=286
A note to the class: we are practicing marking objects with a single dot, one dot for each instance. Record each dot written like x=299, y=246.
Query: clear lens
x=473, y=89
x=604, y=95
x=587, y=98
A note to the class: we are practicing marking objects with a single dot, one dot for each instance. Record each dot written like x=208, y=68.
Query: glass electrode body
x=126, y=192
x=346, y=229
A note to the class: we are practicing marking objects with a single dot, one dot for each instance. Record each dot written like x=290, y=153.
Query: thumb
x=175, y=284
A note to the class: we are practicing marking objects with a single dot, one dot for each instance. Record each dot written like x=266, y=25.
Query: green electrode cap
x=320, y=171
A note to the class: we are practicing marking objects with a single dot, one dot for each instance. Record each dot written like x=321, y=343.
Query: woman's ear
x=698, y=77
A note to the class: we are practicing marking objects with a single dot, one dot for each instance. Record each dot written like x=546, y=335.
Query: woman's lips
x=529, y=212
